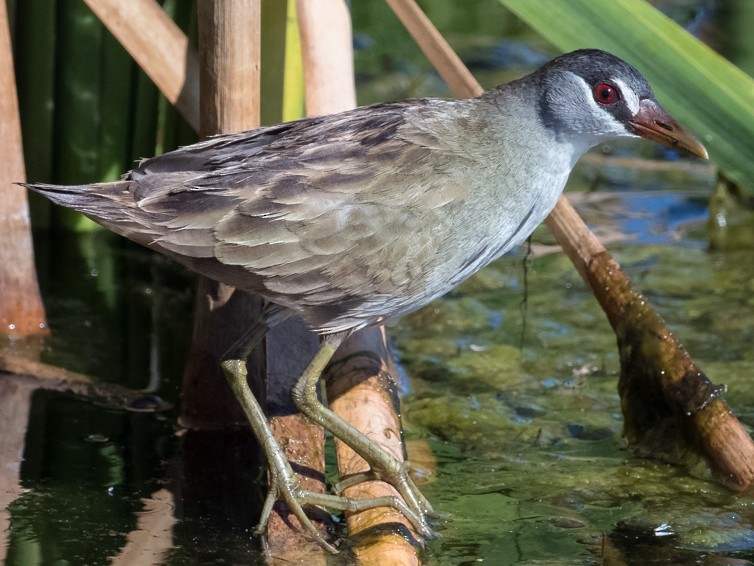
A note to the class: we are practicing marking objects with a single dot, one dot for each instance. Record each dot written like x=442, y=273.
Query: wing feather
x=308, y=213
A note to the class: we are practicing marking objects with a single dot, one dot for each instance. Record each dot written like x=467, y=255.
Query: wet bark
x=361, y=388
x=671, y=409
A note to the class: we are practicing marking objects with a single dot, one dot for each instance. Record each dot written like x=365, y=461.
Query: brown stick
x=289, y=347
x=325, y=30
x=220, y=314
x=21, y=309
x=687, y=406
x=229, y=60
x=229, y=54
x=53, y=378
x=452, y=70
x=229, y=85
x=357, y=384
x=160, y=48
x=229, y=47
x=668, y=402
x=17, y=365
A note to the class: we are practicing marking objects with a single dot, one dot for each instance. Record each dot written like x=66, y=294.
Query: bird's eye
x=605, y=93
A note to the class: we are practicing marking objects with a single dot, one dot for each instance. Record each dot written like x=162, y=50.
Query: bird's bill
x=654, y=123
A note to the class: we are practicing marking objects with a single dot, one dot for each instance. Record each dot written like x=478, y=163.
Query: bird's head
x=592, y=95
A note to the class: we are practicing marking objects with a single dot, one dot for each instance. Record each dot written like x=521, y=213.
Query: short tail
x=103, y=202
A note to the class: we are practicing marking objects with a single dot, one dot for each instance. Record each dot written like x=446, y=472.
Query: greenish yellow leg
x=384, y=466
x=283, y=482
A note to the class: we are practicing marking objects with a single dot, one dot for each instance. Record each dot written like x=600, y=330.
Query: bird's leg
x=283, y=482
x=384, y=466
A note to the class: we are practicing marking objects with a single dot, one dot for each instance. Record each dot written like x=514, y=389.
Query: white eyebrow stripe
x=631, y=98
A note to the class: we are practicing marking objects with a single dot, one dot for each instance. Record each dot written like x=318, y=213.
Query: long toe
x=296, y=499
x=384, y=465
x=401, y=480
x=397, y=475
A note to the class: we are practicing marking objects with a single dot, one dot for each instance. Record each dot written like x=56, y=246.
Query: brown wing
x=325, y=212
x=314, y=212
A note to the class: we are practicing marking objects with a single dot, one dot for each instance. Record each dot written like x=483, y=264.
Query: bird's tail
x=103, y=202
x=108, y=204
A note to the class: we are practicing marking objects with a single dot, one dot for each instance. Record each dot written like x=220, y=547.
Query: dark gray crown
x=595, y=66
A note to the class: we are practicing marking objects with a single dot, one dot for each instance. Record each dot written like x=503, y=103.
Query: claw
x=383, y=465
x=284, y=485
x=400, y=480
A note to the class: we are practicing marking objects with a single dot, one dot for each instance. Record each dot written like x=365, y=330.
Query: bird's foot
x=398, y=475
x=384, y=465
x=284, y=487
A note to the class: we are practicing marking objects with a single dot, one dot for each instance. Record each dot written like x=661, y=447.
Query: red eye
x=605, y=93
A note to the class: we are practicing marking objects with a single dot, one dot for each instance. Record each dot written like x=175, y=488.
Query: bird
x=358, y=218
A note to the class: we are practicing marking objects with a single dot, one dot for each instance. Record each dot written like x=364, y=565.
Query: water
x=528, y=422
x=511, y=386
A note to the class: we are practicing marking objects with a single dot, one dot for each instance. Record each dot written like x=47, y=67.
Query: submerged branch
x=58, y=379
x=671, y=408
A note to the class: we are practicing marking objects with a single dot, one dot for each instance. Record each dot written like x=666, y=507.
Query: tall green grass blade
x=273, y=60
x=173, y=130
x=143, y=117
x=293, y=78
x=116, y=101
